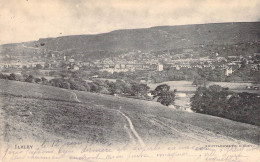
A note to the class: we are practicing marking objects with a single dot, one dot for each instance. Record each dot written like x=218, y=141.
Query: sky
x=26, y=20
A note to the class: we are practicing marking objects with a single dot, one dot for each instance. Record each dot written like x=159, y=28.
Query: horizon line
x=123, y=29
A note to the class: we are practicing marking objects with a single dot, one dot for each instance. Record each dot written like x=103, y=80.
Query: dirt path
x=73, y=96
x=133, y=135
x=131, y=126
x=140, y=141
x=172, y=129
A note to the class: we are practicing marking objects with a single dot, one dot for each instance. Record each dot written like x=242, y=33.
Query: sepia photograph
x=129, y=80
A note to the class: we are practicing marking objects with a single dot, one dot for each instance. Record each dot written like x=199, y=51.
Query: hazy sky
x=25, y=20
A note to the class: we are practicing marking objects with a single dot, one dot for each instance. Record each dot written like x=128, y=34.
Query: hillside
x=158, y=38
x=150, y=39
x=40, y=114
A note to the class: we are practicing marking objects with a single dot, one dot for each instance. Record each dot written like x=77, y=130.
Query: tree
x=74, y=85
x=104, y=90
x=160, y=89
x=86, y=85
x=217, y=101
x=199, y=81
x=140, y=90
x=12, y=77
x=29, y=79
x=44, y=81
x=93, y=87
x=64, y=85
x=165, y=96
x=19, y=78
x=39, y=66
x=37, y=80
x=3, y=76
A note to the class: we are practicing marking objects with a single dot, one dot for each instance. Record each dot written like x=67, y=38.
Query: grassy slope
x=29, y=116
x=34, y=90
x=140, y=111
x=162, y=37
x=94, y=121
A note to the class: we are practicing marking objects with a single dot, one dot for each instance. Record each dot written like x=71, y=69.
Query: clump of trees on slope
x=125, y=88
x=164, y=95
x=218, y=101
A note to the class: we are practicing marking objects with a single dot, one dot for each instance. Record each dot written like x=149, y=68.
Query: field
x=236, y=86
x=186, y=86
x=36, y=112
x=183, y=86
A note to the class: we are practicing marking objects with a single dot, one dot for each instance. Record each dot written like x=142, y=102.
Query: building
x=228, y=71
x=160, y=67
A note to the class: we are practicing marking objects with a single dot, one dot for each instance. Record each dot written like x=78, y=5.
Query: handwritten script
x=73, y=151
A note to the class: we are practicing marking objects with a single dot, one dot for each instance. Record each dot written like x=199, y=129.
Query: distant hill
x=155, y=38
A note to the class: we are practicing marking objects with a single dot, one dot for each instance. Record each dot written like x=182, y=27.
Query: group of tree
x=218, y=101
x=120, y=87
x=23, y=78
x=126, y=88
x=164, y=95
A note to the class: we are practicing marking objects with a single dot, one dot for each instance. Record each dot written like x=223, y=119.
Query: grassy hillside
x=55, y=116
x=34, y=90
x=98, y=119
x=157, y=38
x=143, y=111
